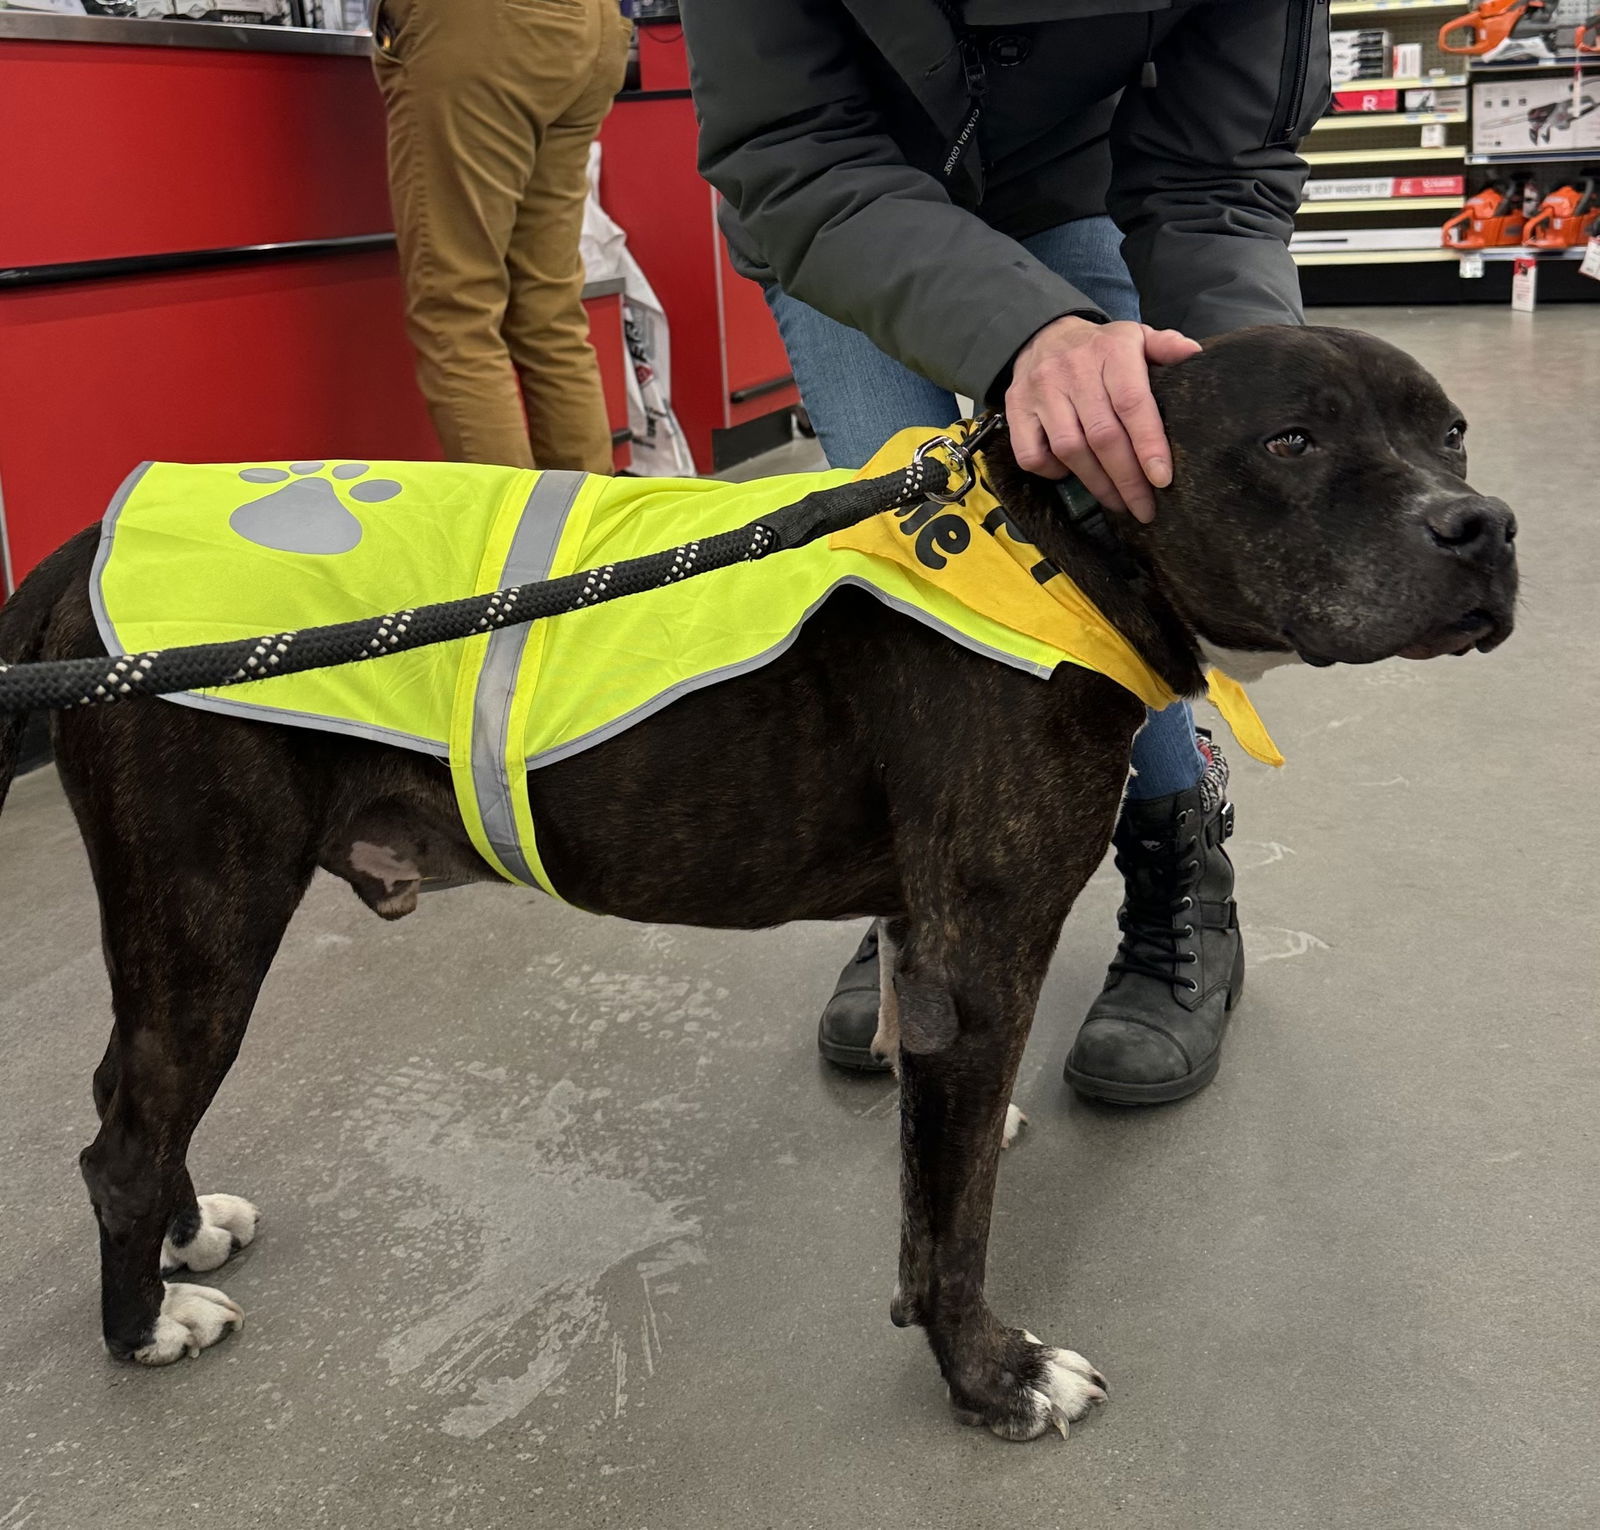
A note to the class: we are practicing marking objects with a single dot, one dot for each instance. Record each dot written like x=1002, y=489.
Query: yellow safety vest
x=216, y=552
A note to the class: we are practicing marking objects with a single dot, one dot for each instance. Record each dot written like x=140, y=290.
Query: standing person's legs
x=857, y=398
x=1087, y=252
x=546, y=327
x=462, y=80
x=1155, y=1032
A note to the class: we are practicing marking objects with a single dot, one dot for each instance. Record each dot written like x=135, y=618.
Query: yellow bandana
x=971, y=551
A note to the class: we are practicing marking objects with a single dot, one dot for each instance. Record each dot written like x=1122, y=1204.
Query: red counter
x=196, y=263
x=729, y=370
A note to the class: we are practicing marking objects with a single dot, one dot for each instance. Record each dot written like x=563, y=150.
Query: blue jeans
x=858, y=397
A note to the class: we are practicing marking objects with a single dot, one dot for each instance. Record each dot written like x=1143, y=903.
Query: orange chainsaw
x=1492, y=218
x=1587, y=39
x=1569, y=216
x=1494, y=21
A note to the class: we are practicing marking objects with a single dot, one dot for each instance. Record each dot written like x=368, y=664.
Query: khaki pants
x=493, y=105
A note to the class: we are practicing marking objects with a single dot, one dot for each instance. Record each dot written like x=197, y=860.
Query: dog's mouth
x=1478, y=630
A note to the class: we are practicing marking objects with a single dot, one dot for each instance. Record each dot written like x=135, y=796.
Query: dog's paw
x=1045, y=1388
x=1065, y=1389
x=227, y=1224
x=1015, y=1121
x=192, y=1318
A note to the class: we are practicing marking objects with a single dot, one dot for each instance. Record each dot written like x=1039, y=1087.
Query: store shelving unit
x=1417, y=143
x=1373, y=7
x=1315, y=157
x=1398, y=143
x=1551, y=66
x=1379, y=204
x=1408, y=82
x=1534, y=157
x=1373, y=257
x=1370, y=120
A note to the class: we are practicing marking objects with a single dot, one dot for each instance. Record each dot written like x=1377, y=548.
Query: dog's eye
x=1456, y=437
x=1289, y=443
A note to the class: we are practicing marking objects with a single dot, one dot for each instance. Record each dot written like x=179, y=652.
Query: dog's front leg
x=964, y=1014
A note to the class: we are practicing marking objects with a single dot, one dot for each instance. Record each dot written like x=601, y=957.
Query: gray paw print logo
x=307, y=515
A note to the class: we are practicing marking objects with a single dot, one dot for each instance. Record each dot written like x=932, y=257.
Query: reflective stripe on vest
x=496, y=774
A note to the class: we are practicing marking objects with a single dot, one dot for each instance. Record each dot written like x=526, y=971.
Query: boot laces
x=1152, y=917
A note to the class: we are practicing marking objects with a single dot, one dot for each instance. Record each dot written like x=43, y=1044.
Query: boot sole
x=851, y=1059
x=1118, y=1093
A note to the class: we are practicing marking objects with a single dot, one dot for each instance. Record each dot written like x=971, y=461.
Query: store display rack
x=1414, y=144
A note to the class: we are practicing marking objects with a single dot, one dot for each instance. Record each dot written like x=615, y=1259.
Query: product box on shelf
x=1435, y=98
x=1361, y=55
x=1396, y=186
x=1346, y=101
x=1524, y=116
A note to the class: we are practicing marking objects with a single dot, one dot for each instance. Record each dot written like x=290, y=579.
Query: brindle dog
x=1319, y=510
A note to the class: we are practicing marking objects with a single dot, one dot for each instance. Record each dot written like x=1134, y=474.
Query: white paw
x=227, y=1224
x=192, y=1319
x=1015, y=1121
x=1069, y=1387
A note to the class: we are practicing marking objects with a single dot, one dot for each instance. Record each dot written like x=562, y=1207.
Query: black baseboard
x=742, y=442
x=1439, y=282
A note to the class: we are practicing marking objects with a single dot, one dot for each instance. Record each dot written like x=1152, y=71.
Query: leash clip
x=963, y=459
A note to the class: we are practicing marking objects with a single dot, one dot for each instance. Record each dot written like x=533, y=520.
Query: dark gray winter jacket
x=828, y=126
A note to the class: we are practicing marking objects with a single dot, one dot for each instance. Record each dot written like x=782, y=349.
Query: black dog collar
x=1088, y=515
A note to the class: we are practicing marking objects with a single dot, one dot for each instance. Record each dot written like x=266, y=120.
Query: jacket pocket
x=1305, y=75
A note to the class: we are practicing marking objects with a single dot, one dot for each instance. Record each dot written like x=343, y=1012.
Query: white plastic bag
x=659, y=447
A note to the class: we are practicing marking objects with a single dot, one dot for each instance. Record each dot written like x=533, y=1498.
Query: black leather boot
x=1155, y=1032
x=850, y=1018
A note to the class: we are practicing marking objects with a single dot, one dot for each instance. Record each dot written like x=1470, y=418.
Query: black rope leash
x=82, y=682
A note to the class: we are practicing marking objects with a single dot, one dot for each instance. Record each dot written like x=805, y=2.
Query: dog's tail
x=24, y=622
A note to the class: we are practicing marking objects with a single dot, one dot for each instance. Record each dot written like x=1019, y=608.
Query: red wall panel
x=113, y=150
x=649, y=184
x=724, y=339
x=298, y=359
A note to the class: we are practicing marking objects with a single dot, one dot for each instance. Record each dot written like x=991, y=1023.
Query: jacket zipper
x=1296, y=67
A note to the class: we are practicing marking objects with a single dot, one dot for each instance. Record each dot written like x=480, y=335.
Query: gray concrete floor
x=566, y=1225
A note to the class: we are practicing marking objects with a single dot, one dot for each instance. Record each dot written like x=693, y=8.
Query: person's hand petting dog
x=1080, y=403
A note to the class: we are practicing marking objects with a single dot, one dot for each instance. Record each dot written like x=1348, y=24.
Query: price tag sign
x=1524, y=284
x=1433, y=135
x=1471, y=267
x=1591, y=260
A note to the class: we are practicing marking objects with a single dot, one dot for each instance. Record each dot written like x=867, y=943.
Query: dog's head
x=1320, y=505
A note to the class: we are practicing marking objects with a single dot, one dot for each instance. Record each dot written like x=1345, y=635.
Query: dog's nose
x=1474, y=528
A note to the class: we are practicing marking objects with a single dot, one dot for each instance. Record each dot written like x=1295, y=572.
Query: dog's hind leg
x=200, y=856
x=185, y=972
